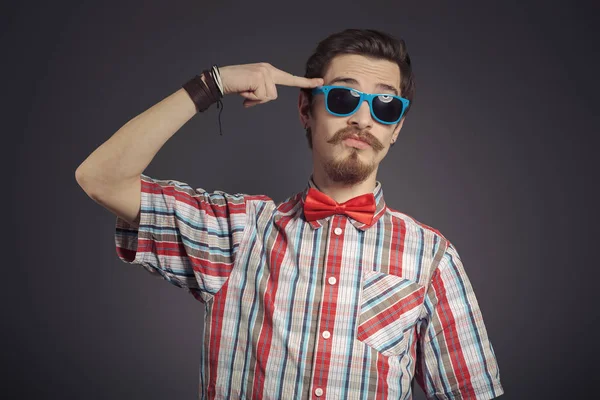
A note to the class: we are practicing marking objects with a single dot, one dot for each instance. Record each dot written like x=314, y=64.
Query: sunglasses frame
x=363, y=97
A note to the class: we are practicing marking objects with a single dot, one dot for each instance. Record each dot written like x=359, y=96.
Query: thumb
x=249, y=95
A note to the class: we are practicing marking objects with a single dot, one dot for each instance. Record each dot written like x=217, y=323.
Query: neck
x=342, y=192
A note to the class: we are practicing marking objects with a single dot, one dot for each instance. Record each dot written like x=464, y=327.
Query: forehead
x=366, y=70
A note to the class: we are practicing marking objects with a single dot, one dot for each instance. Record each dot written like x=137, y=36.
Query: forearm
x=127, y=153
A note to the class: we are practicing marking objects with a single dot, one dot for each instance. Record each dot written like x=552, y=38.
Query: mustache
x=351, y=132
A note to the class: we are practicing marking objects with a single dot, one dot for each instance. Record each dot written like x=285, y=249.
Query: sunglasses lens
x=342, y=101
x=387, y=108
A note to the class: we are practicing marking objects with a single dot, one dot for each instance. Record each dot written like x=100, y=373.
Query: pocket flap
x=389, y=307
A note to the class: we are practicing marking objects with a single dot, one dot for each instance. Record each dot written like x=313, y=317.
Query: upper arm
x=188, y=236
x=124, y=200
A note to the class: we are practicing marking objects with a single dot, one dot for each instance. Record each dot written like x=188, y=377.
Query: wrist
x=224, y=74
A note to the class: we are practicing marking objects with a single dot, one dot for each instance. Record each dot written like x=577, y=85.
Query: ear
x=303, y=109
x=397, y=130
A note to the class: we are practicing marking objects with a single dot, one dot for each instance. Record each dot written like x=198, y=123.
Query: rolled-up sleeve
x=456, y=358
x=187, y=236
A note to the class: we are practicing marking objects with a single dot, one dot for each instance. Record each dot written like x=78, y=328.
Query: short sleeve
x=187, y=236
x=455, y=356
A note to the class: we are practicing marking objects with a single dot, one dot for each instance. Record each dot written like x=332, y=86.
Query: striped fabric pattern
x=327, y=309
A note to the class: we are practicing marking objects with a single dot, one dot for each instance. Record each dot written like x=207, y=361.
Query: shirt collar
x=379, y=208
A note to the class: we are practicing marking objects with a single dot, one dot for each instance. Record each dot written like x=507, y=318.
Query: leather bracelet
x=202, y=95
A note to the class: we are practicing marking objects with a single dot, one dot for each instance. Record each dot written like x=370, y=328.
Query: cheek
x=327, y=125
x=387, y=134
x=321, y=116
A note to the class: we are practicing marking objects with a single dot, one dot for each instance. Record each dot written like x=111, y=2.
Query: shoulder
x=414, y=226
x=180, y=188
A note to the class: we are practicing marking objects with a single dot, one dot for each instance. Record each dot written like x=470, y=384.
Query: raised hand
x=257, y=83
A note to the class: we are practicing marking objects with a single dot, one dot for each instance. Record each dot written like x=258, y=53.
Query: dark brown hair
x=366, y=42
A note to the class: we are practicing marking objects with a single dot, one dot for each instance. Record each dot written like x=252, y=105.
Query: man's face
x=343, y=159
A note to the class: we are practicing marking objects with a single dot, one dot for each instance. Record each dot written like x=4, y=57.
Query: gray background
x=498, y=153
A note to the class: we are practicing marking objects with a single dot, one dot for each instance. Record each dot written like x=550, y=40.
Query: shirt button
x=326, y=334
x=319, y=391
x=337, y=231
x=332, y=280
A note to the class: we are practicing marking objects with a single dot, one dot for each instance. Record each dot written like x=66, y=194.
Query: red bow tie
x=318, y=205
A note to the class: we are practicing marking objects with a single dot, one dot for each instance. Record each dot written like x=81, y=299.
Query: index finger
x=284, y=78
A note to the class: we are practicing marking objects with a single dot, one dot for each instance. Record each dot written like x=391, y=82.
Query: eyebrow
x=345, y=79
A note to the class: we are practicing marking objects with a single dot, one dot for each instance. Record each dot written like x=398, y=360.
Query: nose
x=362, y=119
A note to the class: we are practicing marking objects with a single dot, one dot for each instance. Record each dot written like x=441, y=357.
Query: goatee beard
x=350, y=170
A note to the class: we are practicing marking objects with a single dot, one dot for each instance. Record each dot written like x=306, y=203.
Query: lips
x=358, y=138
x=356, y=143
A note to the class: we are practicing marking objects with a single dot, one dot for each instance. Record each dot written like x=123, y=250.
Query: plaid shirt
x=328, y=309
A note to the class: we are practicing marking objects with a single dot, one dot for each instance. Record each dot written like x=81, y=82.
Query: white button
x=332, y=280
x=319, y=391
x=326, y=334
x=337, y=231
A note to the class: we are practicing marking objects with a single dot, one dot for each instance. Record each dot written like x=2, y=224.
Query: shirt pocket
x=389, y=308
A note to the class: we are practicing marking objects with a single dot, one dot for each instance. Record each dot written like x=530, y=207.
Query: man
x=330, y=293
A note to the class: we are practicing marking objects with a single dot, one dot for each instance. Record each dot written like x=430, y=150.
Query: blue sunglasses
x=343, y=101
